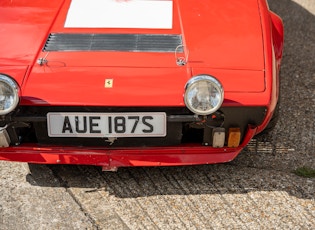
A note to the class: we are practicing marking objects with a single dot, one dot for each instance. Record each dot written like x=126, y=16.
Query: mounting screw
x=42, y=61
x=181, y=61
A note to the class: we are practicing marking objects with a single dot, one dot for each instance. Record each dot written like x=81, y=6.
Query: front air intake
x=114, y=42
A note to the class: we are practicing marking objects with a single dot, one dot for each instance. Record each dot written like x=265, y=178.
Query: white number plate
x=106, y=124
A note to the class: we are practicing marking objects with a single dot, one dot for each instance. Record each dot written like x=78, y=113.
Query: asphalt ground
x=256, y=191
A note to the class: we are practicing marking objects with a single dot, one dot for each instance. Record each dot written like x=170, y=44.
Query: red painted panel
x=24, y=26
x=16, y=72
x=223, y=34
x=131, y=86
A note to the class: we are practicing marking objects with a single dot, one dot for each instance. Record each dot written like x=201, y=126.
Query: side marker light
x=234, y=137
x=4, y=138
x=218, y=137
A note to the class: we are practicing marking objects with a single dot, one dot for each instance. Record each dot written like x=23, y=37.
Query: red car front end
x=114, y=83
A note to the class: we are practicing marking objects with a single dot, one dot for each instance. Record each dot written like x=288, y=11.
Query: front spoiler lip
x=115, y=158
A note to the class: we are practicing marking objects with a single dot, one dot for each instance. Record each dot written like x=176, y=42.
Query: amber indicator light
x=234, y=137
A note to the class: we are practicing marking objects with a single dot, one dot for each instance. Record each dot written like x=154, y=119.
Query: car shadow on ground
x=188, y=180
x=254, y=170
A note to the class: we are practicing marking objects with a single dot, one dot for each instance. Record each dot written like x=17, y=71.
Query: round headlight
x=9, y=94
x=204, y=95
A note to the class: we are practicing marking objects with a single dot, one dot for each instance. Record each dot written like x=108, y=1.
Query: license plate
x=106, y=124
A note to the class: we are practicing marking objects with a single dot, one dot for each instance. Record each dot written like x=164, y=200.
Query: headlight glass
x=204, y=95
x=9, y=94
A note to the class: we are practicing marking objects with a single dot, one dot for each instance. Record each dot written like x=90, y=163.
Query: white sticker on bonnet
x=146, y=14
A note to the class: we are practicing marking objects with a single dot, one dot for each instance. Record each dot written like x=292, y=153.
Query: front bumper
x=110, y=159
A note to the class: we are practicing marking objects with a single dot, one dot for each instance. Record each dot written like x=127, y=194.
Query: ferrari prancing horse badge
x=109, y=83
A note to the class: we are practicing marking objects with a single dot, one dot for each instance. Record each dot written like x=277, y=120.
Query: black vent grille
x=114, y=42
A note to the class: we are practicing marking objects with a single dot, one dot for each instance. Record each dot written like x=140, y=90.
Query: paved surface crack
x=66, y=186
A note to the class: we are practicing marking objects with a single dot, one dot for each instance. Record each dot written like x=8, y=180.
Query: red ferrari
x=136, y=82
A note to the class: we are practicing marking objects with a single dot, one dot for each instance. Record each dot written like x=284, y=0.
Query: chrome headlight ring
x=9, y=94
x=204, y=94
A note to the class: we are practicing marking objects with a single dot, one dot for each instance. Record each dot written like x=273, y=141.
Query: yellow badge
x=109, y=83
